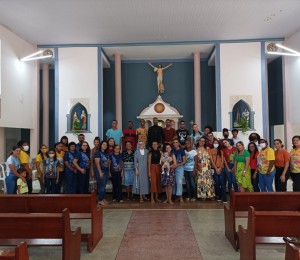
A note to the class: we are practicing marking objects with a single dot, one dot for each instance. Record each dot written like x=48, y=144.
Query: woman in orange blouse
x=282, y=163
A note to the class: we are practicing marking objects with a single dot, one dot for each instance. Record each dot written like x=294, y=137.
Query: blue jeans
x=190, y=184
x=255, y=181
x=70, y=178
x=220, y=184
x=178, y=178
x=101, y=184
x=231, y=179
x=50, y=184
x=266, y=181
x=11, y=184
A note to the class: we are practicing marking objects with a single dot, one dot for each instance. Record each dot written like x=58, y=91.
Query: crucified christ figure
x=159, y=70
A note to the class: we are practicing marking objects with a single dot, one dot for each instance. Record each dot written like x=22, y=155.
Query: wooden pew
x=19, y=253
x=81, y=206
x=266, y=201
x=263, y=224
x=41, y=229
x=292, y=252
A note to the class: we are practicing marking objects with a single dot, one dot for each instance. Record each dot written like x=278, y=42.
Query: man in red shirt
x=169, y=133
x=129, y=134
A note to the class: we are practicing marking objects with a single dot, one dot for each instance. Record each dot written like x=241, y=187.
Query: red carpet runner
x=159, y=234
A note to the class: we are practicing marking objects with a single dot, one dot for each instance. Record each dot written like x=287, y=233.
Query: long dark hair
x=295, y=136
x=100, y=146
x=41, y=152
x=219, y=148
x=255, y=151
x=64, y=137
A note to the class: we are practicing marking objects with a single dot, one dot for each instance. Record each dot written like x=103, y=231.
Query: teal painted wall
x=139, y=89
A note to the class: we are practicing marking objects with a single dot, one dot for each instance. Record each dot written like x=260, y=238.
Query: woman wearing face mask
x=282, y=163
x=217, y=165
x=242, y=167
x=25, y=162
x=12, y=165
x=41, y=156
x=265, y=166
x=295, y=163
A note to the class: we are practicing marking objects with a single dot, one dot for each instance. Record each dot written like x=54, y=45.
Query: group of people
x=155, y=159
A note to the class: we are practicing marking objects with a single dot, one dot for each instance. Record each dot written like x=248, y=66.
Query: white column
x=118, y=89
x=34, y=132
x=197, y=89
x=2, y=145
x=45, y=67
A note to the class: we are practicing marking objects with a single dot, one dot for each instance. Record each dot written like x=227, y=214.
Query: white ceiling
x=58, y=22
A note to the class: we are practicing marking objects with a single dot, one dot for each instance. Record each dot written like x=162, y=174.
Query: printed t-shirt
x=178, y=155
x=190, y=163
x=295, y=160
x=60, y=158
x=142, y=134
x=263, y=160
x=128, y=159
x=104, y=160
x=50, y=168
x=182, y=135
x=116, y=163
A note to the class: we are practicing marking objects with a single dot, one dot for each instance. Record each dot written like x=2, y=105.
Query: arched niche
x=78, y=121
x=241, y=110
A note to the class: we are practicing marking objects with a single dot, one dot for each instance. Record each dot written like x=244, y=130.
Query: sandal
x=141, y=200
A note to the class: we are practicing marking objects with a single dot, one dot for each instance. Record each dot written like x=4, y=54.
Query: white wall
x=240, y=75
x=19, y=86
x=19, y=81
x=78, y=78
x=292, y=90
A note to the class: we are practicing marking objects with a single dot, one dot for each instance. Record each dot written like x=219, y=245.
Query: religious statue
x=245, y=114
x=159, y=71
x=76, y=122
x=83, y=120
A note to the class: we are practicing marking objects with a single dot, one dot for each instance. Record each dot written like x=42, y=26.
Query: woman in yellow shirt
x=25, y=162
x=265, y=166
x=295, y=163
x=39, y=159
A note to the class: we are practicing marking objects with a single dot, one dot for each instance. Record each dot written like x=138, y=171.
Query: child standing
x=51, y=172
x=22, y=186
x=116, y=173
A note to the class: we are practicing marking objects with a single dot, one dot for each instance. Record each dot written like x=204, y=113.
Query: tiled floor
x=207, y=227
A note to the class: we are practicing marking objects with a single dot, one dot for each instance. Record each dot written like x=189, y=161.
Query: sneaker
x=225, y=202
x=219, y=200
x=114, y=200
x=193, y=199
x=121, y=201
x=187, y=199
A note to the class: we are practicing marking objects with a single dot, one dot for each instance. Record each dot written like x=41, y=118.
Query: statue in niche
x=76, y=122
x=159, y=71
x=83, y=120
x=246, y=114
x=241, y=114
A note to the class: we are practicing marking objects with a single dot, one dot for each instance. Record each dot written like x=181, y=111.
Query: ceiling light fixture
x=34, y=56
x=283, y=53
x=272, y=49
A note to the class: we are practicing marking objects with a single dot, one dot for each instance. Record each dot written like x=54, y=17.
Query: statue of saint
x=159, y=71
x=83, y=120
x=76, y=122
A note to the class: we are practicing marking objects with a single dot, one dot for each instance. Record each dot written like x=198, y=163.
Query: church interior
x=205, y=62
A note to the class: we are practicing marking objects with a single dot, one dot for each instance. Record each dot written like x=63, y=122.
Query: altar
x=162, y=111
